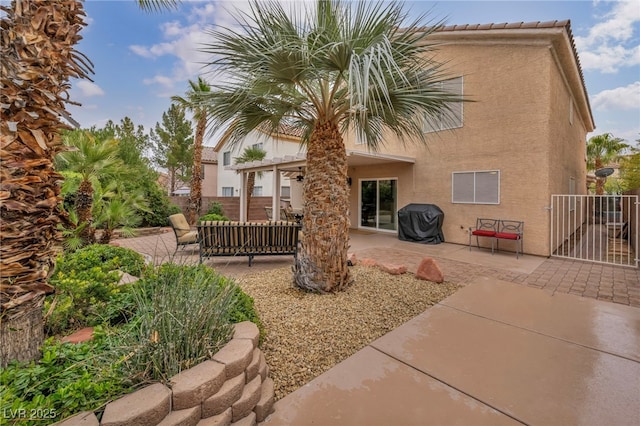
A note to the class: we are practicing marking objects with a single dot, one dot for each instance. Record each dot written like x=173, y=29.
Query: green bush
x=183, y=318
x=215, y=207
x=213, y=217
x=87, y=290
x=69, y=378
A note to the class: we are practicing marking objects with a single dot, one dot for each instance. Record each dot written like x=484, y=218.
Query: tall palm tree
x=92, y=159
x=602, y=150
x=339, y=67
x=251, y=153
x=37, y=46
x=192, y=103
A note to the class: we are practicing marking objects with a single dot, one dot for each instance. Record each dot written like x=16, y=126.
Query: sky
x=141, y=58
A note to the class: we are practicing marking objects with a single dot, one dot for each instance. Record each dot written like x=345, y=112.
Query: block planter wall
x=231, y=388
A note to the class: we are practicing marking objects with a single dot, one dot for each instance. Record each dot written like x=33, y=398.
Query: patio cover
x=293, y=164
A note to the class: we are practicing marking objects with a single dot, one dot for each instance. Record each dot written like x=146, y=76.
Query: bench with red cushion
x=496, y=230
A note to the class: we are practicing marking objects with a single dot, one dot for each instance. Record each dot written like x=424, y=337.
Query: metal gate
x=595, y=228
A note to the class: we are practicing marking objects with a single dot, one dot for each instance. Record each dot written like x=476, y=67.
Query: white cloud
x=610, y=44
x=627, y=97
x=89, y=89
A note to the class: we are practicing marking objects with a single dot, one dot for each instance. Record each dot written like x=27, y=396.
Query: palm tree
x=92, y=159
x=37, y=46
x=251, y=153
x=602, y=150
x=192, y=103
x=337, y=68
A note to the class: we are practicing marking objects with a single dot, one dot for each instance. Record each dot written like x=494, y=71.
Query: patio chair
x=269, y=212
x=184, y=235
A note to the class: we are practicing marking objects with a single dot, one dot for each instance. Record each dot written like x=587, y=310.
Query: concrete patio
x=498, y=351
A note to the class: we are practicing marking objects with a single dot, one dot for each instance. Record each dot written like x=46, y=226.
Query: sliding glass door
x=378, y=203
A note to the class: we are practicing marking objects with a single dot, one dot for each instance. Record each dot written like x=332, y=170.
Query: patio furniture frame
x=249, y=239
x=496, y=230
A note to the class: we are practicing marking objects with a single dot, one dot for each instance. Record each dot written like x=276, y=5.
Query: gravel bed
x=307, y=334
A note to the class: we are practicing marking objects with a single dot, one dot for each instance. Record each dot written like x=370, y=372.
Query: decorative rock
x=264, y=407
x=393, y=269
x=82, y=335
x=429, y=270
x=223, y=419
x=249, y=420
x=352, y=260
x=228, y=394
x=188, y=417
x=368, y=262
x=126, y=278
x=254, y=368
x=145, y=407
x=236, y=356
x=247, y=402
x=191, y=387
x=247, y=330
x=85, y=418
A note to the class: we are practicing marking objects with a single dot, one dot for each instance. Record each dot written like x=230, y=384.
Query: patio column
x=243, y=196
x=275, y=194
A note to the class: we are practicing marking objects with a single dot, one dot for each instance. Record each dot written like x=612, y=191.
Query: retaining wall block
x=264, y=368
x=247, y=330
x=249, y=420
x=85, y=418
x=247, y=402
x=188, y=417
x=223, y=419
x=254, y=368
x=145, y=407
x=228, y=394
x=191, y=387
x=235, y=355
x=264, y=407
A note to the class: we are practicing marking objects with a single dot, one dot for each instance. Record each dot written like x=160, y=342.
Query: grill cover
x=421, y=223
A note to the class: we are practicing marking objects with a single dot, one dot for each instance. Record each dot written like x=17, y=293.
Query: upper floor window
x=451, y=117
x=227, y=191
x=226, y=158
x=257, y=146
x=481, y=187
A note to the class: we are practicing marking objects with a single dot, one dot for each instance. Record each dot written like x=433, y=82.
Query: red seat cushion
x=483, y=233
x=507, y=236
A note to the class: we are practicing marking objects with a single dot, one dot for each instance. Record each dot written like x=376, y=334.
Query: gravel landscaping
x=307, y=334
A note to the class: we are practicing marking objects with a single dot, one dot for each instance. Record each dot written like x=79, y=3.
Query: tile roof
x=209, y=154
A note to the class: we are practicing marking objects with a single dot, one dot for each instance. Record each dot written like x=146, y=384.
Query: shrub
x=213, y=217
x=69, y=378
x=87, y=290
x=183, y=318
x=215, y=207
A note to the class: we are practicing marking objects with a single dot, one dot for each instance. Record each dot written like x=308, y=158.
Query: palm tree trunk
x=195, y=195
x=321, y=264
x=251, y=183
x=38, y=59
x=84, y=204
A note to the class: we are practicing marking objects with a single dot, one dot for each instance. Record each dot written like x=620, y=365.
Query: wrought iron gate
x=595, y=228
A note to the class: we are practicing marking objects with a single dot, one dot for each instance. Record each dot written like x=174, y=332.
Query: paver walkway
x=608, y=283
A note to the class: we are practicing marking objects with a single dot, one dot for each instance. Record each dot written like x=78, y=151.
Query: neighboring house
x=228, y=184
x=522, y=139
x=209, y=172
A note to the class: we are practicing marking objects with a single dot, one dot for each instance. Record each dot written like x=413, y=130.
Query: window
x=481, y=187
x=226, y=158
x=257, y=191
x=227, y=191
x=257, y=146
x=285, y=191
x=451, y=117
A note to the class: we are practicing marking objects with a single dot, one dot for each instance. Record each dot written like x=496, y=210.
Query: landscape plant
x=326, y=69
x=213, y=217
